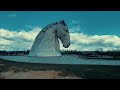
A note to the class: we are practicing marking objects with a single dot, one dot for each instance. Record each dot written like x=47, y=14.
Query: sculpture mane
x=47, y=44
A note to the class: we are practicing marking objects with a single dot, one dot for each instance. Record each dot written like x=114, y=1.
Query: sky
x=89, y=30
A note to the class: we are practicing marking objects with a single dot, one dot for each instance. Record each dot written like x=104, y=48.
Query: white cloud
x=93, y=42
x=30, y=35
x=74, y=22
x=15, y=40
x=23, y=40
x=12, y=15
x=5, y=42
x=7, y=33
x=75, y=29
x=76, y=25
x=27, y=35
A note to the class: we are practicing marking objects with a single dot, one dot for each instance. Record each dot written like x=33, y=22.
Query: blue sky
x=93, y=24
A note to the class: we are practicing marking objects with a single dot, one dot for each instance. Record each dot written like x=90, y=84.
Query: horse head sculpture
x=47, y=43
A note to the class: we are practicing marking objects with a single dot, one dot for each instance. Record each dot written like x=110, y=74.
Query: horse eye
x=43, y=31
x=66, y=30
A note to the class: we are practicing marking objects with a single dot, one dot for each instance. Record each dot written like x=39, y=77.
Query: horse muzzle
x=66, y=46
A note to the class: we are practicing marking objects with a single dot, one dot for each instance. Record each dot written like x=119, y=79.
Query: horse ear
x=61, y=20
x=64, y=23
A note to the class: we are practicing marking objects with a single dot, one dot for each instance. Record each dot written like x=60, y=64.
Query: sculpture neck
x=46, y=44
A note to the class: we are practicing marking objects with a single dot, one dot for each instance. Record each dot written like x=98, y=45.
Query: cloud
x=75, y=22
x=17, y=40
x=23, y=40
x=5, y=42
x=27, y=35
x=12, y=15
x=92, y=42
x=75, y=29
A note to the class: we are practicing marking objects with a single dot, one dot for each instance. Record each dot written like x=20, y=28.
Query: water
x=68, y=60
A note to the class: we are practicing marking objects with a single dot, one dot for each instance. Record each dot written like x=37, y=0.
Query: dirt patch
x=1, y=64
x=50, y=74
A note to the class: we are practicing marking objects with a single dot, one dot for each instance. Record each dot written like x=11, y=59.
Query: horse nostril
x=68, y=44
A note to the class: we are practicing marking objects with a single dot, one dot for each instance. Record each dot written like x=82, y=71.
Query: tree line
x=70, y=52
